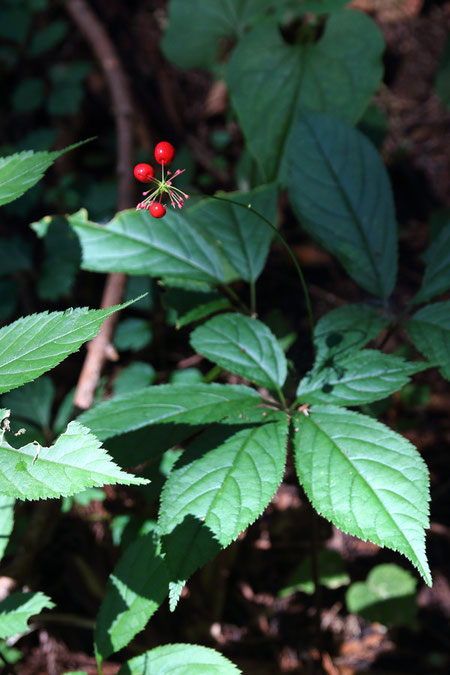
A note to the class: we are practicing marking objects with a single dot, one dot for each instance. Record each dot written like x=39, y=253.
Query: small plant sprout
x=164, y=154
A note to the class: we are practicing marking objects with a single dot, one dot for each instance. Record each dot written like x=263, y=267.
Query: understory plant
x=225, y=446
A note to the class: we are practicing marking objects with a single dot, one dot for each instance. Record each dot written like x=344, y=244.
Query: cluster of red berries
x=164, y=154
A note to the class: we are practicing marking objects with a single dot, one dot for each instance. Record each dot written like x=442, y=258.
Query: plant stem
x=234, y=296
x=8, y=668
x=282, y=397
x=253, y=297
x=316, y=578
x=212, y=374
x=395, y=325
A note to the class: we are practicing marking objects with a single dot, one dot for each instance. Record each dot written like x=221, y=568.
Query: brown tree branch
x=100, y=348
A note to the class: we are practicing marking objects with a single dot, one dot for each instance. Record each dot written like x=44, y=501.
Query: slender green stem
x=396, y=324
x=282, y=397
x=9, y=668
x=234, y=296
x=253, y=296
x=212, y=374
x=288, y=249
x=99, y=660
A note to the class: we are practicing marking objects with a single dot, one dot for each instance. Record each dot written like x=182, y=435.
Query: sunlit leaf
x=135, y=590
x=19, y=172
x=36, y=343
x=364, y=478
x=218, y=487
x=75, y=461
x=179, y=659
x=17, y=608
x=6, y=521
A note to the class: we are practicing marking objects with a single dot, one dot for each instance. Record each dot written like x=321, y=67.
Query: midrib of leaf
x=232, y=9
x=148, y=244
x=359, y=474
x=292, y=113
x=65, y=461
x=350, y=207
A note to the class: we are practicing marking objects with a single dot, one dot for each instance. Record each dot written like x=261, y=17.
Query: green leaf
x=168, y=403
x=214, y=20
x=429, y=329
x=15, y=255
x=48, y=37
x=133, y=333
x=437, y=272
x=346, y=329
x=202, y=311
x=270, y=80
x=179, y=659
x=347, y=206
x=6, y=521
x=186, y=375
x=332, y=574
x=218, y=487
x=320, y=6
x=243, y=346
x=134, y=592
x=134, y=243
x=17, y=608
x=8, y=297
x=135, y=376
x=75, y=461
x=15, y=24
x=10, y=654
x=29, y=95
x=36, y=343
x=366, y=479
x=19, y=172
x=62, y=257
x=240, y=236
x=437, y=221
x=442, y=82
x=388, y=596
x=32, y=402
x=67, y=91
x=65, y=99
x=357, y=378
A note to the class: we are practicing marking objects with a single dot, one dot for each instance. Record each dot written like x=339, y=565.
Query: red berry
x=164, y=152
x=157, y=210
x=143, y=172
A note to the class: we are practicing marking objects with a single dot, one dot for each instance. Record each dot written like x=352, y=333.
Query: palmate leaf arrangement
x=359, y=474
